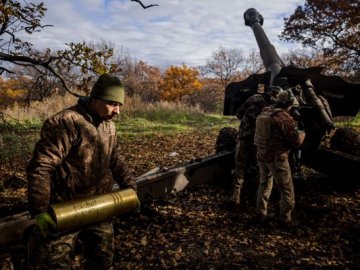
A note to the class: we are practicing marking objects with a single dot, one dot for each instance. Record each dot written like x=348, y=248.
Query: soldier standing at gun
x=77, y=157
x=245, y=154
x=276, y=133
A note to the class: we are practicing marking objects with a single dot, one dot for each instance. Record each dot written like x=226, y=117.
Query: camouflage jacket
x=284, y=136
x=75, y=157
x=247, y=114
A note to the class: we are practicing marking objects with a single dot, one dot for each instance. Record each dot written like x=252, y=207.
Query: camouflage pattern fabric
x=284, y=136
x=274, y=163
x=245, y=156
x=75, y=157
x=247, y=114
x=57, y=253
x=246, y=167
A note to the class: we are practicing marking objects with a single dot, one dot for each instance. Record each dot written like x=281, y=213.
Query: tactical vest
x=263, y=137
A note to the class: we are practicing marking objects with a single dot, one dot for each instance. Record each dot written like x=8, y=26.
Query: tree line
x=329, y=31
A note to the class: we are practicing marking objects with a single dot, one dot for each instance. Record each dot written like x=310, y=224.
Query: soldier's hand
x=301, y=136
x=307, y=84
x=45, y=224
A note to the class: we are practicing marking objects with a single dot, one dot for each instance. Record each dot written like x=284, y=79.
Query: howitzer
x=323, y=98
x=343, y=99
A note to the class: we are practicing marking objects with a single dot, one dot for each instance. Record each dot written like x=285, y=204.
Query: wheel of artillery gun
x=226, y=139
x=346, y=140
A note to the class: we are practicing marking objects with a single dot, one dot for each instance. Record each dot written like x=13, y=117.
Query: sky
x=175, y=32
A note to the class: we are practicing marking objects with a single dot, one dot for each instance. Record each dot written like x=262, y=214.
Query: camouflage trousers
x=58, y=253
x=246, y=170
x=280, y=173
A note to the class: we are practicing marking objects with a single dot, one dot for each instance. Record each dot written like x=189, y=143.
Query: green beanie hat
x=109, y=88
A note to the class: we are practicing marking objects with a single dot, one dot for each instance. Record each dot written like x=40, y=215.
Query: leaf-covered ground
x=195, y=229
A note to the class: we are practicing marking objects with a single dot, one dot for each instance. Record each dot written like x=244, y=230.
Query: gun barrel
x=269, y=56
x=324, y=115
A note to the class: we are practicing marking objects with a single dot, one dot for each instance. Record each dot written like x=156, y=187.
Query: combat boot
x=288, y=224
x=235, y=200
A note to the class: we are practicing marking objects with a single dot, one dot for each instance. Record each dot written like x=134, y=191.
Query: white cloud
x=173, y=33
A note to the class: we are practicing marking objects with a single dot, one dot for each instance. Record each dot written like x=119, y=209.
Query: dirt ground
x=195, y=229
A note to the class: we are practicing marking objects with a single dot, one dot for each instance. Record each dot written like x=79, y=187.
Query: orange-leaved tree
x=179, y=82
x=12, y=90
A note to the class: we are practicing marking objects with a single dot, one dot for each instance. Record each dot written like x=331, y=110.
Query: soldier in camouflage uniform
x=246, y=167
x=77, y=157
x=276, y=133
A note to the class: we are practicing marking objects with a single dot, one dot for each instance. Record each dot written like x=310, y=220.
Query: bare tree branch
x=25, y=17
x=25, y=59
x=144, y=7
x=2, y=69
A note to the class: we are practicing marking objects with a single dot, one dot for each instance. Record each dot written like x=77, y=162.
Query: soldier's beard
x=110, y=117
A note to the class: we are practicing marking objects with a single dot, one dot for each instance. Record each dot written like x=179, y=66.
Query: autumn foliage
x=12, y=90
x=19, y=20
x=142, y=79
x=329, y=26
x=179, y=81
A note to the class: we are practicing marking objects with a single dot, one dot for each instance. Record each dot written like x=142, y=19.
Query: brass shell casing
x=75, y=214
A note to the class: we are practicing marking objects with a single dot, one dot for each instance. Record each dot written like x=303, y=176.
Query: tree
x=19, y=19
x=252, y=64
x=312, y=58
x=224, y=65
x=210, y=97
x=333, y=26
x=143, y=80
x=179, y=82
x=12, y=90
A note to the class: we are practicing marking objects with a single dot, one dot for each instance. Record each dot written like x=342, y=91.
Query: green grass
x=350, y=122
x=175, y=123
x=17, y=140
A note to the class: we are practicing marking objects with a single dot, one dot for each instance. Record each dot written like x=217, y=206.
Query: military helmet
x=109, y=88
x=275, y=90
x=284, y=99
x=282, y=82
x=271, y=94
